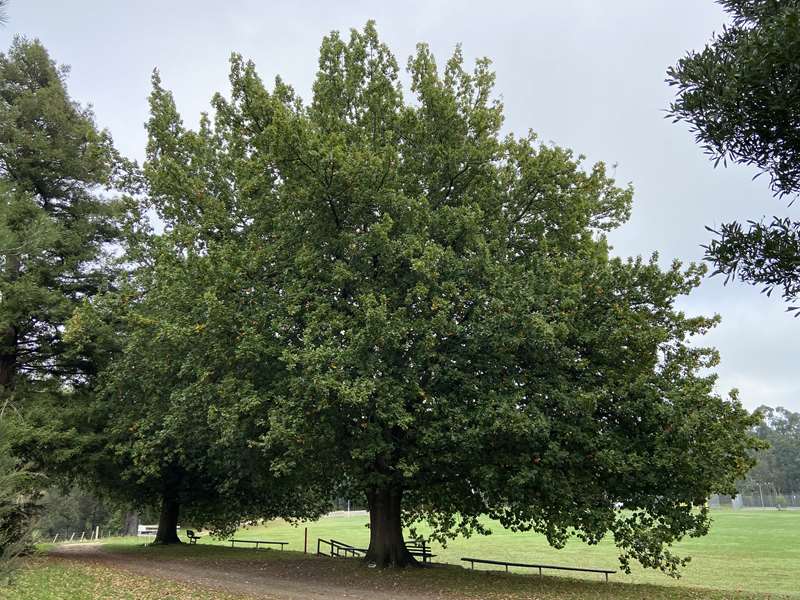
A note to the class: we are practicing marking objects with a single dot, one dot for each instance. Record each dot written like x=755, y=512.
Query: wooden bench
x=338, y=548
x=420, y=548
x=193, y=537
x=472, y=562
x=257, y=542
x=146, y=530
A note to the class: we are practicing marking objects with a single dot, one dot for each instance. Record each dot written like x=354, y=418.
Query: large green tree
x=175, y=410
x=55, y=225
x=741, y=96
x=428, y=311
x=173, y=417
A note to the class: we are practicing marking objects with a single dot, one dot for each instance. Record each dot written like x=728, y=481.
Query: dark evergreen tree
x=55, y=225
x=176, y=406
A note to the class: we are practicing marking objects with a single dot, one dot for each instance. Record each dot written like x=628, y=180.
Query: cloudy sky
x=584, y=74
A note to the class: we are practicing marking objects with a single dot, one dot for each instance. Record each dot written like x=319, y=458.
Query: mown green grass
x=749, y=550
x=45, y=579
x=748, y=555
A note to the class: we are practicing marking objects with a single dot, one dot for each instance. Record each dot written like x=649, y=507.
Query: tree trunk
x=168, y=522
x=9, y=341
x=131, y=526
x=387, y=548
x=8, y=359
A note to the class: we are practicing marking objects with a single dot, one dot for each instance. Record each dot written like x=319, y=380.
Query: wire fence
x=757, y=499
x=76, y=536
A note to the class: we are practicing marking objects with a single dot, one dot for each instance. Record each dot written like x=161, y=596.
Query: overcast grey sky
x=585, y=74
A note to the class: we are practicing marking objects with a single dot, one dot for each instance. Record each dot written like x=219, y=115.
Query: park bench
x=420, y=548
x=472, y=562
x=257, y=542
x=338, y=548
x=193, y=537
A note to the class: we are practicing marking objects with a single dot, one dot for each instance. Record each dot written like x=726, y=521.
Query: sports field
x=751, y=550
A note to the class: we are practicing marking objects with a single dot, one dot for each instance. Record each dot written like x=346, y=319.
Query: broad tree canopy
x=174, y=411
x=408, y=302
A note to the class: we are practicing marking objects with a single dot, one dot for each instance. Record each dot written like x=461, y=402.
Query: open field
x=748, y=555
x=753, y=550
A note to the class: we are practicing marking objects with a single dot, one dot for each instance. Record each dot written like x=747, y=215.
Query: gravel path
x=275, y=580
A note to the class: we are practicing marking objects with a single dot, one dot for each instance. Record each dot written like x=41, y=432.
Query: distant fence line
x=348, y=505
x=762, y=499
x=71, y=535
x=347, y=513
x=147, y=531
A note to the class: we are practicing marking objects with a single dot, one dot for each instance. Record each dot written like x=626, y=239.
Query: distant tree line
x=75, y=511
x=777, y=467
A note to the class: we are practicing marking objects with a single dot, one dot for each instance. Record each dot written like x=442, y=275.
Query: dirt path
x=278, y=580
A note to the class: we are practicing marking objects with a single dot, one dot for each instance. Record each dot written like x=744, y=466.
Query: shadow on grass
x=439, y=580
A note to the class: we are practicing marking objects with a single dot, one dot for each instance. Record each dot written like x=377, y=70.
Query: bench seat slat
x=534, y=566
x=336, y=546
x=258, y=542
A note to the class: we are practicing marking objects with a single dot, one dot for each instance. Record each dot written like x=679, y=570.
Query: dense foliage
x=54, y=223
x=389, y=296
x=741, y=96
x=176, y=411
x=362, y=294
x=18, y=489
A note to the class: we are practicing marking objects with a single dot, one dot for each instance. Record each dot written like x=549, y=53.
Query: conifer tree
x=55, y=228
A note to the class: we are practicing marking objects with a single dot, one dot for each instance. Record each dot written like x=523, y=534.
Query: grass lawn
x=749, y=555
x=68, y=580
x=749, y=550
x=43, y=579
x=443, y=581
